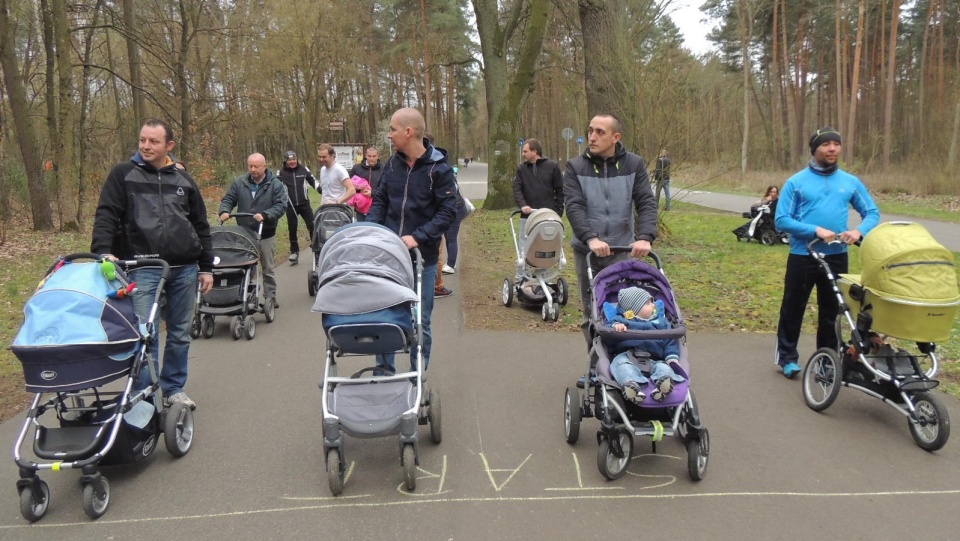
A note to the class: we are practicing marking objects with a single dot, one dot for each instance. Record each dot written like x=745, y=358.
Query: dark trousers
x=305, y=212
x=803, y=272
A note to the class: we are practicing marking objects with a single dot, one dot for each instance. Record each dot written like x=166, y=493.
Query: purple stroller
x=676, y=414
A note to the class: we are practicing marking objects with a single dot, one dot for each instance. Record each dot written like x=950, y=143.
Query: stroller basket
x=372, y=411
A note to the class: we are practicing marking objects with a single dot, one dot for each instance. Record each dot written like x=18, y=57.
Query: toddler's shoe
x=790, y=370
x=632, y=392
x=661, y=389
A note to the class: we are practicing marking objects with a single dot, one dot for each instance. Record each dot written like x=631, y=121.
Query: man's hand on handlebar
x=640, y=248
x=598, y=247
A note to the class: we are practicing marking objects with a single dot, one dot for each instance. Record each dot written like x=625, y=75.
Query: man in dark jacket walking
x=151, y=209
x=259, y=192
x=416, y=198
x=370, y=168
x=609, y=203
x=293, y=175
x=661, y=177
x=538, y=182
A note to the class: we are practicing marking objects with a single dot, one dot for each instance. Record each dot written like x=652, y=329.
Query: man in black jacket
x=537, y=183
x=293, y=174
x=370, y=168
x=151, y=209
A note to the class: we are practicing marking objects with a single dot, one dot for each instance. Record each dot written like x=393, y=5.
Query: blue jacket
x=810, y=199
x=658, y=349
x=420, y=201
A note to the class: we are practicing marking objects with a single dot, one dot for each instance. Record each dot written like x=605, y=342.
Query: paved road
x=503, y=471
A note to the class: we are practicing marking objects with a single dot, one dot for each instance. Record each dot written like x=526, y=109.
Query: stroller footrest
x=66, y=443
x=913, y=384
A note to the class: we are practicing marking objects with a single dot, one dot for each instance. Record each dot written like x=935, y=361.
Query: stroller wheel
x=207, y=326
x=33, y=505
x=822, y=379
x=195, y=326
x=931, y=429
x=611, y=466
x=507, y=292
x=698, y=452
x=768, y=238
x=269, y=310
x=95, y=505
x=409, y=463
x=436, y=434
x=563, y=292
x=236, y=327
x=178, y=429
x=549, y=312
x=312, y=283
x=334, y=472
x=571, y=415
x=249, y=327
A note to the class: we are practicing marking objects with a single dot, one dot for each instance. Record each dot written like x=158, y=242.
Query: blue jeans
x=453, y=247
x=426, y=309
x=664, y=186
x=181, y=302
x=625, y=371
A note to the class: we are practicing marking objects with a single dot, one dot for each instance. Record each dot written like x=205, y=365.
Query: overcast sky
x=687, y=16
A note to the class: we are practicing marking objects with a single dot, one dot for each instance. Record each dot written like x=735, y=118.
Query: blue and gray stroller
x=326, y=221
x=236, y=283
x=80, y=333
x=675, y=414
x=369, y=297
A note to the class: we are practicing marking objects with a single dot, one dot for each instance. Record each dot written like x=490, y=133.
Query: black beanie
x=821, y=136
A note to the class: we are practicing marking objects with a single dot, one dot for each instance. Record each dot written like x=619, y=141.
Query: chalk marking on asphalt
x=576, y=466
x=430, y=475
x=497, y=500
x=486, y=466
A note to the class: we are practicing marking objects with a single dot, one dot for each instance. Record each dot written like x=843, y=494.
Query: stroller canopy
x=902, y=260
x=364, y=267
x=235, y=245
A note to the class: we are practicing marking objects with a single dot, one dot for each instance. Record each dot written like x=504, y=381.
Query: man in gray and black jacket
x=609, y=203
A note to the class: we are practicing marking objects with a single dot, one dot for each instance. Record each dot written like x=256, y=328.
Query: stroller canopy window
x=235, y=245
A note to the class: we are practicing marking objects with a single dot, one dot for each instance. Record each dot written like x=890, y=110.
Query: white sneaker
x=447, y=269
x=182, y=398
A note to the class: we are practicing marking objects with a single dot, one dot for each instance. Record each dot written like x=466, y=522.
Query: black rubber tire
x=506, y=293
x=609, y=465
x=934, y=435
x=409, y=462
x=768, y=238
x=195, y=326
x=545, y=312
x=436, y=418
x=698, y=454
x=31, y=510
x=178, y=429
x=236, y=327
x=269, y=310
x=563, y=291
x=571, y=415
x=207, y=326
x=93, y=506
x=822, y=379
x=334, y=475
x=249, y=327
x=311, y=284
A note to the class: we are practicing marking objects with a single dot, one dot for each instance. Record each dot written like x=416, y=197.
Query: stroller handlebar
x=624, y=249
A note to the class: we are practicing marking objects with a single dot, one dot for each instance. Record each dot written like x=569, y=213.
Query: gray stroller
x=540, y=261
x=369, y=297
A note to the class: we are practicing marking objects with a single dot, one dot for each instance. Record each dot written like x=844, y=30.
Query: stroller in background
x=677, y=414
x=79, y=334
x=369, y=297
x=326, y=221
x=907, y=290
x=236, y=283
x=539, y=264
x=761, y=226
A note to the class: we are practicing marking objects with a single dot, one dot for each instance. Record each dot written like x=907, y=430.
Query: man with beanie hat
x=295, y=178
x=815, y=203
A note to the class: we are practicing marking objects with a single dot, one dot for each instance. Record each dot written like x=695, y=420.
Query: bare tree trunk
x=746, y=30
x=20, y=108
x=789, y=92
x=182, y=90
x=841, y=80
x=424, y=32
x=63, y=164
x=891, y=84
x=849, y=145
x=50, y=95
x=84, y=138
x=133, y=58
x=604, y=74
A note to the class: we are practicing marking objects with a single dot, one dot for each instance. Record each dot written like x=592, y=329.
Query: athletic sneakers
x=447, y=269
x=790, y=370
x=180, y=398
x=294, y=258
x=442, y=292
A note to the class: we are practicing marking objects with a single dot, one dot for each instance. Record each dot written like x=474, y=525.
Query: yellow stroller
x=907, y=290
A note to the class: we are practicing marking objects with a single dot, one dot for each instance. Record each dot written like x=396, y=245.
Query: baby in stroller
x=636, y=309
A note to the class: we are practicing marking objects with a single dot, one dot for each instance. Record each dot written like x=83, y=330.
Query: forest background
x=242, y=76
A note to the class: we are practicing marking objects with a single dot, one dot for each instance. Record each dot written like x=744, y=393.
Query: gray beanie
x=633, y=298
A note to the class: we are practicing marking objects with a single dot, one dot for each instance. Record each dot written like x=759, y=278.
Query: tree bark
x=891, y=85
x=746, y=30
x=604, y=73
x=133, y=58
x=849, y=145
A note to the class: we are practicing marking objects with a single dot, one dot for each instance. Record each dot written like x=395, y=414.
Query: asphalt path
x=503, y=471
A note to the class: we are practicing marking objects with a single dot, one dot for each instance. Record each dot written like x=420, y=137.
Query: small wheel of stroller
x=409, y=463
x=178, y=429
x=698, y=453
x=611, y=466
x=195, y=326
x=436, y=434
x=822, y=379
x=507, y=292
x=689, y=416
x=311, y=284
x=334, y=472
x=249, y=327
x=269, y=310
x=768, y=238
x=95, y=505
x=932, y=427
x=34, y=505
x=571, y=415
x=563, y=292
x=207, y=325
x=548, y=312
x=236, y=327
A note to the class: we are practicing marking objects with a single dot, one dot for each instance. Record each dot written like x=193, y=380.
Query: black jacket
x=145, y=213
x=370, y=172
x=539, y=185
x=292, y=180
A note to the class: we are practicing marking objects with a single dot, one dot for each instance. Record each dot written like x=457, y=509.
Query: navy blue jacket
x=420, y=201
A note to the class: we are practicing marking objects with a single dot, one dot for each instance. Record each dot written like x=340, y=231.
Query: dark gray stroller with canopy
x=326, y=221
x=369, y=297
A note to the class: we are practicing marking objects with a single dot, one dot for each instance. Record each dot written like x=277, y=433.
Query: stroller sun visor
x=73, y=336
x=235, y=245
x=364, y=267
x=902, y=260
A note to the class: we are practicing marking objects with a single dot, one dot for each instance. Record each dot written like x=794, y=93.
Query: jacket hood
x=267, y=176
x=431, y=156
x=137, y=158
x=618, y=152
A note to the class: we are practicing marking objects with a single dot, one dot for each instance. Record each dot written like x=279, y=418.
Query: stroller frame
x=242, y=322
x=761, y=226
x=556, y=291
x=621, y=422
x=91, y=421
x=903, y=385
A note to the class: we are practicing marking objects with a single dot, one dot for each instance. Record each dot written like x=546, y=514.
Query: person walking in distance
x=295, y=178
x=661, y=176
